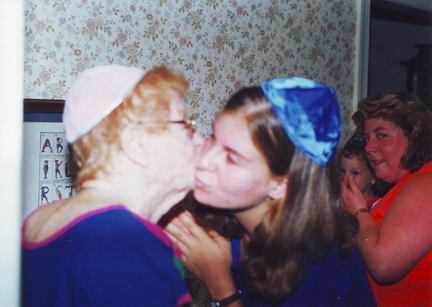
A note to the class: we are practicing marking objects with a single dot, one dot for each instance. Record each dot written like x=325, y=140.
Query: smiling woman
x=394, y=240
x=386, y=144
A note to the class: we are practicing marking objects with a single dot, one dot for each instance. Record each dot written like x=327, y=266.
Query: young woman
x=264, y=179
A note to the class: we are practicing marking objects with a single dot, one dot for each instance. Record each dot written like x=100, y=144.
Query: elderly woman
x=136, y=153
x=395, y=239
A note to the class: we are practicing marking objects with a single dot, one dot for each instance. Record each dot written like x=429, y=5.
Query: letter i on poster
x=57, y=168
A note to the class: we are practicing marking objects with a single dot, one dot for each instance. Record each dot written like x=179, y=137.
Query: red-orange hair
x=148, y=101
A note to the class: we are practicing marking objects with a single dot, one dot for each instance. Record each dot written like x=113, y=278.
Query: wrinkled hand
x=351, y=198
x=205, y=253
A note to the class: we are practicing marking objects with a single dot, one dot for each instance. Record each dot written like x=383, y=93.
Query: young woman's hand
x=205, y=253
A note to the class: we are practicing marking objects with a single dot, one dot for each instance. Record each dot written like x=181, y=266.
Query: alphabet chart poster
x=49, y=170
x=57, y=169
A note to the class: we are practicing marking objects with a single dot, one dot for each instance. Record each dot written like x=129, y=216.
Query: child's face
x=359, y=169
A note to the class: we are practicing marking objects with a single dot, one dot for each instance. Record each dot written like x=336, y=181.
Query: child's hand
x=351, y=198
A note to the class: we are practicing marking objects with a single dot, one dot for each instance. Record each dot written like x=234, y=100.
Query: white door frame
x=11, y=120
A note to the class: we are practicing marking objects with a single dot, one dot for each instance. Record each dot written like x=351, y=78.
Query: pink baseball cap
x=94, y=95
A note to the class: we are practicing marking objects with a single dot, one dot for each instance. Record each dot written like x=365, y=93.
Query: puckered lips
x=200, y=184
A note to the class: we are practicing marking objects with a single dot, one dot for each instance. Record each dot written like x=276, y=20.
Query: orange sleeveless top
x=415, y=289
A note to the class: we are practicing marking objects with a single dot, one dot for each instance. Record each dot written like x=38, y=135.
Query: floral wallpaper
x=220, y=45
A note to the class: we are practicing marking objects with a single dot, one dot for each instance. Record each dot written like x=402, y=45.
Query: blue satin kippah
x=309, y=113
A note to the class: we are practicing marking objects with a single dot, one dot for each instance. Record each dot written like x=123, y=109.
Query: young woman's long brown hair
x=297, y=230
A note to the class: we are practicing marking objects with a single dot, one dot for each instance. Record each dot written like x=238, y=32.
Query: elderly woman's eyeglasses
x=189, y=123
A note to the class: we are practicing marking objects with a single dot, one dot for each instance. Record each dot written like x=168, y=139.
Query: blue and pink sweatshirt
x=107, y=257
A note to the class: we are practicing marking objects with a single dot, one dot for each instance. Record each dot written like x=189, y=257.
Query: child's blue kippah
x=309, y=113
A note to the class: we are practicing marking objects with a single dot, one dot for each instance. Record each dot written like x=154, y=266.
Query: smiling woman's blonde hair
x=148, y=101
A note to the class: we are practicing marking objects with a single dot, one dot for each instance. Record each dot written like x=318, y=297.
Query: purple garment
x=107, y=257
x=331, y=282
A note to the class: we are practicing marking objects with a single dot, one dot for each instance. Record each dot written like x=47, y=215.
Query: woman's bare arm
x=392, y=250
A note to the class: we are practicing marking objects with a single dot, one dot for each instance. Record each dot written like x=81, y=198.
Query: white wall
x=11, y=67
